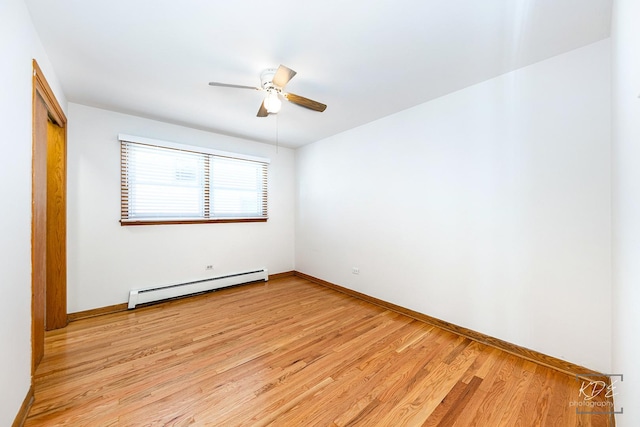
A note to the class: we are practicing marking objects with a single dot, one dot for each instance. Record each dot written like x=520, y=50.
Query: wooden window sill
x=190, y=221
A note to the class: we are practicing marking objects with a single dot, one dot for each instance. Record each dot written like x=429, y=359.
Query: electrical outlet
x=209, y=267
x=355, y=270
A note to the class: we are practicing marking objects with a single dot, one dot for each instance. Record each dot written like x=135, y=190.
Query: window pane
x=237, y=188
x=165, y=183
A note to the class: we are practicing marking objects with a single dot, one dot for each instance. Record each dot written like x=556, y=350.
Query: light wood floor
x=287, y=353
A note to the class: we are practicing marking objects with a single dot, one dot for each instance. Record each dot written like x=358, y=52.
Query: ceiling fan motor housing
x=266, y=78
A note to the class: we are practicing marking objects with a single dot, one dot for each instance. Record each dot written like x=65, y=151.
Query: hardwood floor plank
x=516, y=392
x=286, y=353
x=453, y=404
x=419, y=406
x=480, y=403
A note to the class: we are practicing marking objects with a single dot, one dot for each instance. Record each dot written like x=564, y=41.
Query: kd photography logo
x=596, y=396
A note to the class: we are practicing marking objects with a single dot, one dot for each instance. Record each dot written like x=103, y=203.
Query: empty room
x=290, y=213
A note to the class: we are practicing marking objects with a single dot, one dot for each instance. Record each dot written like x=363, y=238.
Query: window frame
x=210, y=153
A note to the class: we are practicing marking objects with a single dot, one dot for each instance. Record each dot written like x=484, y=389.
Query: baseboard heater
x=143, y=296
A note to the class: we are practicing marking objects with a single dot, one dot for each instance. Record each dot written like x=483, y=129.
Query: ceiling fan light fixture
x=272, y=103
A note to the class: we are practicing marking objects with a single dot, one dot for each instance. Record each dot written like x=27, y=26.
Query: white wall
x=106, y=260
x=19, y=44
x=626, y=208
x=488, y=208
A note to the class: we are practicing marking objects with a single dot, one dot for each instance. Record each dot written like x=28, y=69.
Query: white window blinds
x=170, y=184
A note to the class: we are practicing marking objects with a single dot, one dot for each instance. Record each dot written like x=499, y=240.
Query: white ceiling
x=364, y=59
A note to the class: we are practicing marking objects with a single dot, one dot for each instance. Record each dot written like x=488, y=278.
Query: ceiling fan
x=273, y=82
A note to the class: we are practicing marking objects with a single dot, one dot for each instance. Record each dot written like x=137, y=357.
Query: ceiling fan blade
x=282, y=76
x=262, y=112
x=305, y=102
x=235, y=86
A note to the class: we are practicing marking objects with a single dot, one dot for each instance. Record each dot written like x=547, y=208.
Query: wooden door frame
x=56, y=300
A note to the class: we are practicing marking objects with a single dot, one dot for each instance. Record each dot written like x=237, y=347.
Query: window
x=163, y=182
